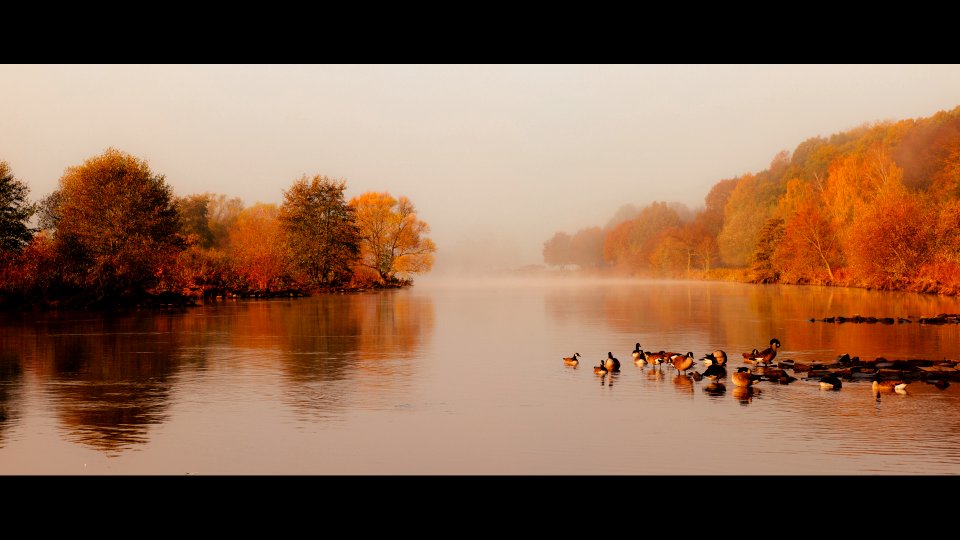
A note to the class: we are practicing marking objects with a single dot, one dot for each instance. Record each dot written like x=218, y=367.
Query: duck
x=897, y=386
x=767, y=355
x=600, y=370
x=573, y=360
x=715, y=372
x=611, y=363
x=830, y=382
x=682, y=362
x=743, y=377
x=717, y=357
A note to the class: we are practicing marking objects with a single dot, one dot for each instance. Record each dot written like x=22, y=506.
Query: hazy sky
x=495, y=157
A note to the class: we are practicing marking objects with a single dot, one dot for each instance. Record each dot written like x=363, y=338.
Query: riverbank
x=83, y=300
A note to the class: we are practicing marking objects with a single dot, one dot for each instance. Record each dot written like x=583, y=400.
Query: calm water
x=452, y=379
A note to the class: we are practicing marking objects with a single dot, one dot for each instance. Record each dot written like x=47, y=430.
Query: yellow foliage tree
x=392, y=239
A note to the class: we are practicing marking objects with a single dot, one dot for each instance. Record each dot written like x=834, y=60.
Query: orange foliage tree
x=809, y=249
x=891, y=238
x=630, y=244
x=257, y=253
x=393, y=239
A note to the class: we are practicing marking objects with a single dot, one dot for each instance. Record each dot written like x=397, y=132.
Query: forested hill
x=875, y=206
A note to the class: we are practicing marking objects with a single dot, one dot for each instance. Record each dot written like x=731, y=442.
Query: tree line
x=877, y=206
x=114, y=233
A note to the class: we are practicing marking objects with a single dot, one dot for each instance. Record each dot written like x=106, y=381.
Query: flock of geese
x=716, y=368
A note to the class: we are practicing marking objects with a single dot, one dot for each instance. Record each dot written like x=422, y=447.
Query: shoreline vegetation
x=874, y=207
x=114, y=235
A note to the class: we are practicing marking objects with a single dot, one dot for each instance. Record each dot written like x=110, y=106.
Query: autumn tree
x=891, y=239
x=762, y=262
x=321, y=229
x=222, y=214
x=630, y=244
x=257, y=252
x=714, y=203
x=15, y=211
x=586, y=248
x=681, y=249
x=810, y=245
x=116, y=224
x=556, y=250
x=195, y=218
x=747, y=210
x=392, y=239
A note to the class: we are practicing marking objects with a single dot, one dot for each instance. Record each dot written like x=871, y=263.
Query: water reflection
x=361, y=346
x=379, y=383
x=11, y=389
x=714, y=389
x=683, y=384
x=110, y=377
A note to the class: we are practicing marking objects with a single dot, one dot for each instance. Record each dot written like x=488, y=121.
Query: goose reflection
x=745, y=394
x=715, y=389
x=683, y=384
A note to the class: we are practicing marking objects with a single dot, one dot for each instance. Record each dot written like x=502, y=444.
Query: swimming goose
x=830, y=382
x=897, y=386
x=600, y=370
x=572, y=361
x=612, y=364
x=637, y=353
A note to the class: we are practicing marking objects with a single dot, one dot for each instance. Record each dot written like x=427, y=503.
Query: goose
x=600, y=370
x=612, y=364
x=767, y=355
x=830, y=382
x=637, y=353
x=717, y=357
x=573, y=360
x=682, y=362
x=715, y=372
x=655, y=359
x=743, y=377
x=897, y=386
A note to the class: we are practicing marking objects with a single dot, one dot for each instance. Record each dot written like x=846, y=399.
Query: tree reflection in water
x=11, y=390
